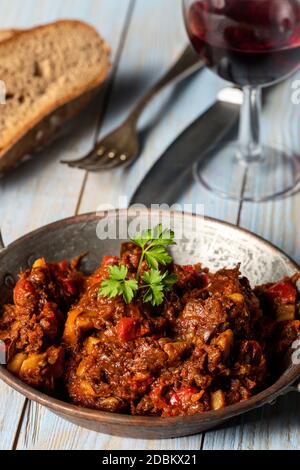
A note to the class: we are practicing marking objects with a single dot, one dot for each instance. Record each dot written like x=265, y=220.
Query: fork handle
x=187, y=64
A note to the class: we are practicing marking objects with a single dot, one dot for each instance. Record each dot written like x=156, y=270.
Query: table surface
x=146, y=36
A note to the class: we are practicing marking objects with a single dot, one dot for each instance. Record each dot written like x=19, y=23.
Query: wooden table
x=146, y=36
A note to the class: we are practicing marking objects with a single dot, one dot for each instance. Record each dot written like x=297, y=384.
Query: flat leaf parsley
x=117, y=284
x=154, y=283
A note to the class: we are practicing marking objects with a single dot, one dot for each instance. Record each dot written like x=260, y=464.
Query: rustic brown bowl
x=222, y=244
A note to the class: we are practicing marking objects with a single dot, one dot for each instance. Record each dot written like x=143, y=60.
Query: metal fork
x=121, y=146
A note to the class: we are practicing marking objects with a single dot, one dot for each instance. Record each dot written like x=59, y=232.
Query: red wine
x=247, y=42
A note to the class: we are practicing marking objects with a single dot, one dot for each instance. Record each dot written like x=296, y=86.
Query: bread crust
x=29, y=139
x=8, y=33
x=44, y=133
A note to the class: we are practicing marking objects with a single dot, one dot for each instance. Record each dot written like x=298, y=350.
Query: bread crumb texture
x=44, y=68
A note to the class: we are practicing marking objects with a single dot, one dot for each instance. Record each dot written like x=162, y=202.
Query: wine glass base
x=273, y=175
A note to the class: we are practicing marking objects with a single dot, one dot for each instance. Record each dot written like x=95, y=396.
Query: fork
x=121, y=146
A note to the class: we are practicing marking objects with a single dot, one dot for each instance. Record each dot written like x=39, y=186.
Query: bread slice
x=50, y=72
x=8, y=33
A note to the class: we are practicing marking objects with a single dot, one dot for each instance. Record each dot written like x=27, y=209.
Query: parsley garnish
x=156, y=283
x=117, y=284
x=153, y=244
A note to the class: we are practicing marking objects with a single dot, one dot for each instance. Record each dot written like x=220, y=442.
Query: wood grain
x=143, y=62
x=277, y=426
x=147, y=52
x=43, y=430
x=38, y=193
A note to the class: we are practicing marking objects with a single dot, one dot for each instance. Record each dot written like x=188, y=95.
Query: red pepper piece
x=130, y=328
x=108, y=260
x=127, y=329
x=182, y=395
x=190, y=268
x=284, y=291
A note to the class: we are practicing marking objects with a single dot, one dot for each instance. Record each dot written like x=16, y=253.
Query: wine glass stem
x=249, y=132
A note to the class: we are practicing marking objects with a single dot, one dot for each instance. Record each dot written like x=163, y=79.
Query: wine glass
x=252, y=43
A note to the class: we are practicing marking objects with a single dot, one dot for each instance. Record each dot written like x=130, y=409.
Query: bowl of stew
x=167, y=361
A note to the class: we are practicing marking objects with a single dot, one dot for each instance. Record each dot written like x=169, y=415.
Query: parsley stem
x=144, y=251
x=140, y=266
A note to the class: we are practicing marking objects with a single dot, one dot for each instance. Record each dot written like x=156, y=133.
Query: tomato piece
x=108, y=260
x=182, y=395
x=127, y=329
x=190, y=268
x=130, y=328
x=285, y=292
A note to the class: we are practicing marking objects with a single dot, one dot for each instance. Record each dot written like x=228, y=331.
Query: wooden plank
x=10, y=414
x=142, y=63
x=190, y=101
x=37, y=192
x=11, y=402
x=271, y=428
x=275, y=427
x=279, y=221
x=43, y=430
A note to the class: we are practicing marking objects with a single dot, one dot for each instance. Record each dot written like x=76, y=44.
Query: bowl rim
x=269, y=395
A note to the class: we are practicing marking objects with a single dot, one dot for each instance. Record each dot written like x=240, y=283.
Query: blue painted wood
x=275, y=427
x=148, y=51
x=37, y=194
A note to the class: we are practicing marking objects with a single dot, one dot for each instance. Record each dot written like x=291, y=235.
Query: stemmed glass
x=252, y=43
